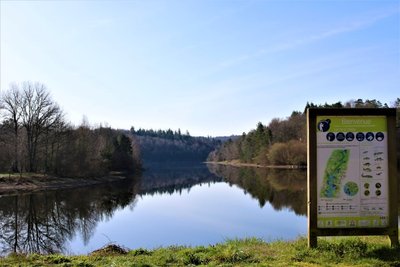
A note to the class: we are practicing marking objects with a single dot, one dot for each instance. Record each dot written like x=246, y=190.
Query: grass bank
x=359, y=251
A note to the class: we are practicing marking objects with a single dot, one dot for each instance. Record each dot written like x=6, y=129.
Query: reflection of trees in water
x=166, y=179
x=43, y=222
x=281, y=188
x=32, y=223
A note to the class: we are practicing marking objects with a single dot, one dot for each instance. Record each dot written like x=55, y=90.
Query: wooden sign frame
x=316, y=126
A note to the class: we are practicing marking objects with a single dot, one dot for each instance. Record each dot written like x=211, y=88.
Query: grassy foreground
x=360, y=251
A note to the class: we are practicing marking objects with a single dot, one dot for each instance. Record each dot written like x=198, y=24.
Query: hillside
x=283, y=141
x=163, y=146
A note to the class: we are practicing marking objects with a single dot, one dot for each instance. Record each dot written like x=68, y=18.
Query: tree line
x=35, y=137
x=172, y=146
x=165, y=134
x=283, y=141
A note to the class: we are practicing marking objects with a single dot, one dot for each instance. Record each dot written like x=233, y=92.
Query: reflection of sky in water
x=204, y=214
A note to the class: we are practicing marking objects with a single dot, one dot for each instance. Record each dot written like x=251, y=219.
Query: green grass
x=353, y=251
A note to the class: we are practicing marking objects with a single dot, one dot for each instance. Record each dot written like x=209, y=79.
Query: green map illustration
x=335, y=169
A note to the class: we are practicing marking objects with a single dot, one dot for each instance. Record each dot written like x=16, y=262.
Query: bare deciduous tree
x=35, y=138
x=29, y=107
x=10, y=103
x=39, y=114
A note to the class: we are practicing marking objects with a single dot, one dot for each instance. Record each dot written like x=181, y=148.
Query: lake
x=167, y=205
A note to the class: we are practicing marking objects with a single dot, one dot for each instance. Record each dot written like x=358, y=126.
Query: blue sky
x=210, y=67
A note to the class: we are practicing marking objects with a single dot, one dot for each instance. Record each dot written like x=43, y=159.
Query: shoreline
x=11, y=184
x=235, y=163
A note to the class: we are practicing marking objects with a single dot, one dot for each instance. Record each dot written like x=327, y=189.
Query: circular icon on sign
x=340, y=136
x=366, y=185
x=350, y=188
x=366, y=192
x=360, y=136
x=330, y=136
x=323, y=126
x=369, y=136
x=349, y=136
x=378, y=185
x=379, y=136
x=378, y=192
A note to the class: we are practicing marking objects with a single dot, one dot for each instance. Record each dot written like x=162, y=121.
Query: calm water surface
x=191, y=205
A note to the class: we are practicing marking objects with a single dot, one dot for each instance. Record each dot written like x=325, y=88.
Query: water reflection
x=281, y=188
x=168, y=178
x=44, y=222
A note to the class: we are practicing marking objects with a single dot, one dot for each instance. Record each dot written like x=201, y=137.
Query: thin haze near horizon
x=210, y=67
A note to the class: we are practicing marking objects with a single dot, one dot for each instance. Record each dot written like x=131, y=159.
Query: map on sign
x=334, y=172
x=352, y=172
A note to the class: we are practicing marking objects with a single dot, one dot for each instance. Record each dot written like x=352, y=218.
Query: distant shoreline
x=11, y=184
x=236, y=163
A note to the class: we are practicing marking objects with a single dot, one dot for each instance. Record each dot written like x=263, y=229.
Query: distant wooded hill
x=172, y=146
x=283, y=141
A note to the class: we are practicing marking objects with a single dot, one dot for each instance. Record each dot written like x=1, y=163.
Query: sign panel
x=352, y=172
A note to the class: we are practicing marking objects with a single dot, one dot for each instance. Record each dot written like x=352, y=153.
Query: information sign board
x=352, y=173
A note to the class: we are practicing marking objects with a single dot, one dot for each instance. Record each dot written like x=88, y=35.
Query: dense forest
x=172, y=146
x=283, y=141
x=35, y=137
